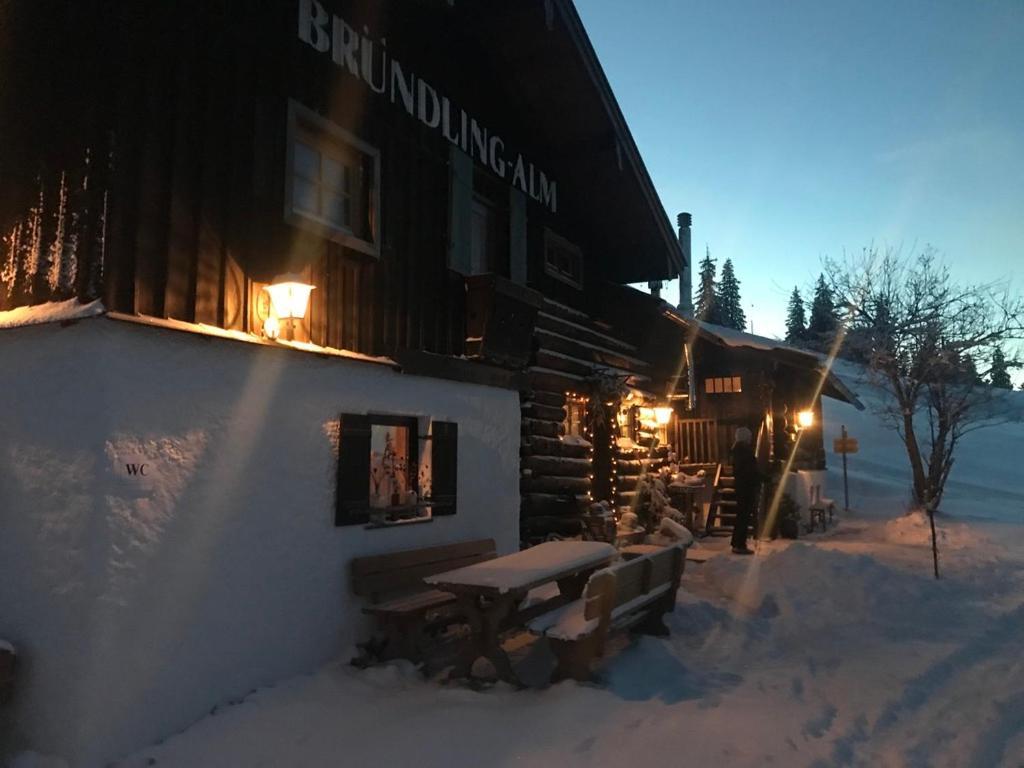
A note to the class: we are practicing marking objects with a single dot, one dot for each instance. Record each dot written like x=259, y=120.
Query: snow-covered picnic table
x=490, y=592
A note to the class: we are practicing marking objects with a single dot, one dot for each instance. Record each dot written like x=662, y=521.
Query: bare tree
x=922, y=336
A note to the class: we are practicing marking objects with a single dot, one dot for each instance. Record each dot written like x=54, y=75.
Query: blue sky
x=796, y=130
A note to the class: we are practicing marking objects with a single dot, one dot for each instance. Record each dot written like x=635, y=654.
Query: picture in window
x=392, y=468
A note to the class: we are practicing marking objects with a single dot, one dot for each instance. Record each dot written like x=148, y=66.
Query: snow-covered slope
x=986, y=481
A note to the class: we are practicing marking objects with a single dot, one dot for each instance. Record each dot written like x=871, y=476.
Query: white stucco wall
x=136, y=607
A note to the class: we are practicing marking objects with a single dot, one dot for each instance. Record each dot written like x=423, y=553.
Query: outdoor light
x=663, y=415
x=271, y=327
x=289, y=297
x=289, y=300
x=805, y=419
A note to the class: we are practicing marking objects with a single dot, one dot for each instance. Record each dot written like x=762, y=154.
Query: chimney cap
x=684, y=219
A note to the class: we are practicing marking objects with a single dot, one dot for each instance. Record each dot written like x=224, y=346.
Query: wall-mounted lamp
x=663, y=415
x=289, y=300
x=805, y=419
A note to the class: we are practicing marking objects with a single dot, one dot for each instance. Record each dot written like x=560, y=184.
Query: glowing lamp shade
x=663, y=415
x=289, y=297
x=805, y=419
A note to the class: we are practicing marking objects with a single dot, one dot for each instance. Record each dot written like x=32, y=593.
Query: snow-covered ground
x=836, y=650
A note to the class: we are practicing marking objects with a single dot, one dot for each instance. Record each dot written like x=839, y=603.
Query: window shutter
x=517, y=235
x=461, y=200
x=353, y=499
x=444, y=459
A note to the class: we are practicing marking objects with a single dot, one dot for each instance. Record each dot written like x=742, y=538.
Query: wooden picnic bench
x=491, y=595
x=634, y=593
x=405, y=607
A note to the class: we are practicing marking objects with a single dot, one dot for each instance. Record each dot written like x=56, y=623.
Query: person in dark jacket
x=747, y=480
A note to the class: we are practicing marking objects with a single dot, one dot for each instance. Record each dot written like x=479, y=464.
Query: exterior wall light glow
x=663, y=415
x=289, y=300
x=805, y=419
x=289, y=297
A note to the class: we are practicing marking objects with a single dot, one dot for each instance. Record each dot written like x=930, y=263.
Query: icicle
x=33, y=247
x=55, y=268
x=9, y=273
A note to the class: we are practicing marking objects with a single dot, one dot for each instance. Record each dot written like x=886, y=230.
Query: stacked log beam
x=556, y=475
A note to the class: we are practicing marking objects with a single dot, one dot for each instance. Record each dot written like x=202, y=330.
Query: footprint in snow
x=818, y=726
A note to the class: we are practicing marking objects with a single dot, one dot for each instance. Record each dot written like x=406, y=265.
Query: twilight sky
x=797, y=129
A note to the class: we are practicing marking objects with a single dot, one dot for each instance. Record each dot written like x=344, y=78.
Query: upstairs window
x=562, y=259
x=723, y=385
x=331, y=182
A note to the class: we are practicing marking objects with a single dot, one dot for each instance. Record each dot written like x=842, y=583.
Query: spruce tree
x=970, y=370
x=999, y=374
x=704, y=301
x=796, y=318
x=822, y=326
x=727, y=298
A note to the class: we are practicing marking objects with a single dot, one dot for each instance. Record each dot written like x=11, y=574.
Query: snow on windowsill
x=50, y=312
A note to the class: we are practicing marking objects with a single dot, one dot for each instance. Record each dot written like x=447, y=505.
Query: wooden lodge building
x=299, y=275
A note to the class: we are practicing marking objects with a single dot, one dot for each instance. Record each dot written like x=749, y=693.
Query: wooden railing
x=696, y=441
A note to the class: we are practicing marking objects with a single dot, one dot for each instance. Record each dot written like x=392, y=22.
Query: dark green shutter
x=444, y=459
x=517, y=235
x=353, y=499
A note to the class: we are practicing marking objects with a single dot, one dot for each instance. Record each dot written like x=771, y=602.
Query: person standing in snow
x=747, y=479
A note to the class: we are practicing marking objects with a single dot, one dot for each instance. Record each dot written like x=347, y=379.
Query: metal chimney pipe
x=684, y=220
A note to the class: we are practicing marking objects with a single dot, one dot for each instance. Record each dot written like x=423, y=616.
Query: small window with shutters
x=395, y=469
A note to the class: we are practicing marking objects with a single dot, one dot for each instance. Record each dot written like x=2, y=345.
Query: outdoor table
x=490, y=592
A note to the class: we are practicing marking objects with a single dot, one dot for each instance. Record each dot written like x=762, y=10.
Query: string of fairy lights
x=647, y=416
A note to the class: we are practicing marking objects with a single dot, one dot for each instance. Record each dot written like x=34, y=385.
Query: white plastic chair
x=819, y=506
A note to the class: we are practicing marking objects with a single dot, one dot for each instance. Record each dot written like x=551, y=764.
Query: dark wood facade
x=171, y=123
x=174, y=117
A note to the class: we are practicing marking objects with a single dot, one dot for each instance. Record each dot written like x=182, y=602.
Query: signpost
x=845, y=445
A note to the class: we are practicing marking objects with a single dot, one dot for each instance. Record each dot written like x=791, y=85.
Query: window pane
x=389, y=464
x=335, y=174
x=305, y=197
x=737, y=385
x=307, y=161
x=337, y=209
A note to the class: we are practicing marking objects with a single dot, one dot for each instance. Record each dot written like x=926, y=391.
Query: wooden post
x=846, y=482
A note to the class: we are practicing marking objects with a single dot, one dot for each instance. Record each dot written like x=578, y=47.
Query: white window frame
x=299, y=118
x=551, y=237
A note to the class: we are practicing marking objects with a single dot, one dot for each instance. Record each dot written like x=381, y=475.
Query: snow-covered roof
x=833, y=386
x=223, y=333
x=730, y=337
x=72, y=310
x=50, y=312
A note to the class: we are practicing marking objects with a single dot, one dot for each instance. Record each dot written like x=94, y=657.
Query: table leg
x=485, y=619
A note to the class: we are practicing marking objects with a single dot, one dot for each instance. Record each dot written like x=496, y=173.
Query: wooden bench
x=404, y=606
x=635, y=593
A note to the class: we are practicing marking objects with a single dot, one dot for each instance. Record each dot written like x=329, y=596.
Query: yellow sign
x=845, y=445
